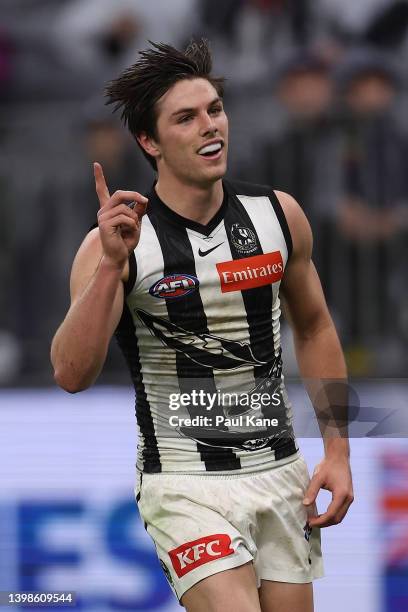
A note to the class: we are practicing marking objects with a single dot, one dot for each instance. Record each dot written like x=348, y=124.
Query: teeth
x=212, y=148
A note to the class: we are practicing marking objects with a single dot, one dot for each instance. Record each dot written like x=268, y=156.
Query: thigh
x=288, y=549
x=279, y=596
x=194, y=540
x=233, y=590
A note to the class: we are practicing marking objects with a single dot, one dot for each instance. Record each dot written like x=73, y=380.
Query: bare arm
x=320, y=359
x=79, y=347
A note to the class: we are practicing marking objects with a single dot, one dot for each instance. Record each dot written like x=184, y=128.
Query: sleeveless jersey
x=200, y=332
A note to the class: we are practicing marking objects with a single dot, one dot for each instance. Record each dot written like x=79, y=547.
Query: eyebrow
x=190, y=110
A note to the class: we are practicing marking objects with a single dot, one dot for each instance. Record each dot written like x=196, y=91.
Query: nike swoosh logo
x=204, y=253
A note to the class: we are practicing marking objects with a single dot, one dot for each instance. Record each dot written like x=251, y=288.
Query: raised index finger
x=101, y=186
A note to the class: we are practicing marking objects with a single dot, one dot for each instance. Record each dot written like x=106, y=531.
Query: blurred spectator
x=104, y=140
x=249, y=36
x=63, y=207
x=372, y=211
x=304, y=87
x=6, y=62
x=351, y=18
x=99, y=38
x=304, y=158
x=223, y=16
x=36, y=73
x=388, y=29
x=380, y=23
x=374, y=159
x=252, y=37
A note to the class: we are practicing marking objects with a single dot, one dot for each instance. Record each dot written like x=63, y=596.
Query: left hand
x=332, y=474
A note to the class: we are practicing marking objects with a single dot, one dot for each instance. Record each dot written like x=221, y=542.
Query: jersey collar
x=157, y=205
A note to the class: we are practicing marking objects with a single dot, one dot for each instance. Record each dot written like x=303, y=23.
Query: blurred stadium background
x=317, y=99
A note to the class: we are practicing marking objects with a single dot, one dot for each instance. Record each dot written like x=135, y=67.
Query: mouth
x=211, y=150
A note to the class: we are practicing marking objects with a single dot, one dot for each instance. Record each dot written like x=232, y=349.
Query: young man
x=193, y=293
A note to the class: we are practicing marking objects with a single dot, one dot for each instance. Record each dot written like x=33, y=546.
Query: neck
x=198, y=203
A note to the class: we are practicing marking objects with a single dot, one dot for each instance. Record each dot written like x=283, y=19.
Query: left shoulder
x=248, y=189
x=298, y=224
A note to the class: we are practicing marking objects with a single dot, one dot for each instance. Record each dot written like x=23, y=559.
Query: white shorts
x=204, y=524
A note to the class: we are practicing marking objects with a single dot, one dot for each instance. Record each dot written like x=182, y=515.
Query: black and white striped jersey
x=200, y=333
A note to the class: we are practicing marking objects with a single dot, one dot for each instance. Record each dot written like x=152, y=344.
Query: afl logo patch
x=243, y=239
x=174, y=286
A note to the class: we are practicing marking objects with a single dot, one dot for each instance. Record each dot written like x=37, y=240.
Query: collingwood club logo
x=243, y=238
x=308, y=531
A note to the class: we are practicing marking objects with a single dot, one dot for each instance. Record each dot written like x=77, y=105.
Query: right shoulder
x=92, y=241
x=86, y=262
x=89, y=253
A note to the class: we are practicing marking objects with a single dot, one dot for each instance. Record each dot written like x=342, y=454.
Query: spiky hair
x=136, y=91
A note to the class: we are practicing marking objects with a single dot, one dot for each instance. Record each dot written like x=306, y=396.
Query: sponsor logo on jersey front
x=190, y=555
x=174, y=286
x=243, y=238
x=250, y=272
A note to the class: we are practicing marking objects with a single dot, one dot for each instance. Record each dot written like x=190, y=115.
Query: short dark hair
x=140, y=86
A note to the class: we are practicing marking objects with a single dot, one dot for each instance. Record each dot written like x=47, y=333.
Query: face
x=192, y=134
x=307, y=94
x=370, y=94
x=105, y=142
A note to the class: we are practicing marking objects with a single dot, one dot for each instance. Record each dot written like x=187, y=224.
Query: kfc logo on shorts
x=190, y=555
x=250, y=272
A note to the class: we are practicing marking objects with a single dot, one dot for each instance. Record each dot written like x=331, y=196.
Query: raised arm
x=320, y=359
x=80, y=344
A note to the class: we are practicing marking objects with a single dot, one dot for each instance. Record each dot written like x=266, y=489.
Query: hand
x=119, y=225
x=332, y=474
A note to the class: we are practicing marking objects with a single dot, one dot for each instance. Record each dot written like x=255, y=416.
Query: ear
x=148, y=144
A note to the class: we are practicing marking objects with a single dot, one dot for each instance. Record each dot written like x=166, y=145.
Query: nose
x=207, y=125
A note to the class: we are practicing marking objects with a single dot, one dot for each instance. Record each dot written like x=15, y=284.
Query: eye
x=185, y=119
x=215, y=110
